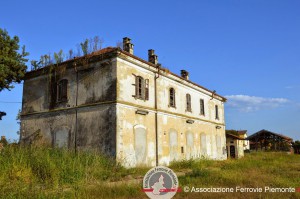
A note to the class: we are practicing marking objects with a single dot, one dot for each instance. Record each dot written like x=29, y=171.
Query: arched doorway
x=232, y=151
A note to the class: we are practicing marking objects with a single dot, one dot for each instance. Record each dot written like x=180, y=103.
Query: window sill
x=62, y=101
x=171, y=106
x=140, y=98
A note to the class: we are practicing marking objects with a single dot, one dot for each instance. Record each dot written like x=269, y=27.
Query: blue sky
x=248, y=51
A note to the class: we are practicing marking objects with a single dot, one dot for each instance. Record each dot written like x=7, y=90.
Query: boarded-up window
x=172, y=97
x=219, y=143
x=189, y=145
x=62, y=90
x=173, y=142
x=202, y=111
x=188, y=103
x=203, y=144
x=140, y=144
x=61, y=138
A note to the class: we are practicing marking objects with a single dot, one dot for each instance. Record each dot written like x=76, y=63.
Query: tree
x=59, y=57
x=12, y=63
x=84, y=47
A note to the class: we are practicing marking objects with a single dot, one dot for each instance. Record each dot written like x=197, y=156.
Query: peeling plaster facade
x=102, y=112
x=234, y=146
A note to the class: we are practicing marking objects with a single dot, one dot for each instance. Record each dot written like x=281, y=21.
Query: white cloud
x=246, y=103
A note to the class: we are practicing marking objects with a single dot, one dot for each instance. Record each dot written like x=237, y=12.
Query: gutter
x=156, y=76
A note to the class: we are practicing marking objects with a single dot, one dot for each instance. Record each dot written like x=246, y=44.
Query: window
x=217, y=112
x=141, y=88
x=202, y=111
x=62, y=90
x=188, y=103
x=172, y=97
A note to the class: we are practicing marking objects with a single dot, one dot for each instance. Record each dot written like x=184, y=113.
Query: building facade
x=243, y=134
x=234, y=146
x=126, y=107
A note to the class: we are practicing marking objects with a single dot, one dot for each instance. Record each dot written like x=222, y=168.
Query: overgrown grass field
x=53, y=173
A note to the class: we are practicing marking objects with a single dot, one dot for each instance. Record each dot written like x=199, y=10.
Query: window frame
x=188, y=103
x=172, y=97
x=141, y=88
x=202, y=107
x=62, y=90
x=217, y=117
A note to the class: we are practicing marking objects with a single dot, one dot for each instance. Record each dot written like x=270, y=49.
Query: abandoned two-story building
x=131, y=109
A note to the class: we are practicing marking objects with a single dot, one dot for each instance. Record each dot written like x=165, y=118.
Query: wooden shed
x=267, y=140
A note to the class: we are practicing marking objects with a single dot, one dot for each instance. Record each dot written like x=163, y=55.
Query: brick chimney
x=185, y=74
x=127, y=45
x=2, y=114
x=152, y=57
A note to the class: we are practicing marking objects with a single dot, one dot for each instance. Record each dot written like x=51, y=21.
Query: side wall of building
x=235, y=147
x=86, y=120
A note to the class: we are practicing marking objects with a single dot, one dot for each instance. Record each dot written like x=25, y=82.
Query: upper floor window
x=188, y=103
x=62, y=90
x=172, y=97
x=202, y=110
x=217, y=112
x=141, y=88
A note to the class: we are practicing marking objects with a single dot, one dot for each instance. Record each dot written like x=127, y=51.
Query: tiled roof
x=234, y=136
x=266, y=131
x=242, y=132
x=151, y=64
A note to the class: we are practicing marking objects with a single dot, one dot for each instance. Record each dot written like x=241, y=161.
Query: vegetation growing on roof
x=84, y=48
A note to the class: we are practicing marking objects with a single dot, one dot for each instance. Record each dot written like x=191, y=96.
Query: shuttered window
x=202, y=110
x=141, y=88
x=172, y=97
x=146, y=89
x=217, y=112
x=188, y=103
x=62, y=90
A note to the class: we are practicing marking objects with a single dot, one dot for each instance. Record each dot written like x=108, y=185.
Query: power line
x=10, y=102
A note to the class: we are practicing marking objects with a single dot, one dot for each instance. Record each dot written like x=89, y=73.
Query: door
x=232, y=151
